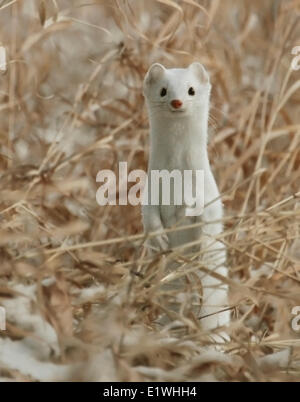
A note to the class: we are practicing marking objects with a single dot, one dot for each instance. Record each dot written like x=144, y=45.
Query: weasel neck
x=181, y=138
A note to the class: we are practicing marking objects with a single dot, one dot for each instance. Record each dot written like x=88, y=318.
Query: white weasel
x=178, y=106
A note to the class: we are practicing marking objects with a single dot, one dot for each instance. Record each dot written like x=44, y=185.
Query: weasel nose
x=176, y=103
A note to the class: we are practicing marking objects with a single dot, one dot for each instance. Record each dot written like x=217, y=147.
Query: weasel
x=177, y=101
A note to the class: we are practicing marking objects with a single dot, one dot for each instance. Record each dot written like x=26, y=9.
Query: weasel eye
x=163, y=92
x=191, y=91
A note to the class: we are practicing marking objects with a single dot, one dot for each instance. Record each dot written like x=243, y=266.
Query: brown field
x=81, y=295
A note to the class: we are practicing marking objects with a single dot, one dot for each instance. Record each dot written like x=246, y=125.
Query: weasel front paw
x=159, y=242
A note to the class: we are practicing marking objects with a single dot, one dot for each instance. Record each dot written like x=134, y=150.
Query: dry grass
x=81, y=296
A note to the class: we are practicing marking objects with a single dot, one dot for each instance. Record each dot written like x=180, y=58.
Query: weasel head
x=176, y=92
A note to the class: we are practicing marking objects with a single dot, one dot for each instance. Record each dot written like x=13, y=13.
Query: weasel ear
x=155, y=72
x=200, y=72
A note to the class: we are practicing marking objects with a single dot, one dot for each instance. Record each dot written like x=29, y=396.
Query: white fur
x=178, y=140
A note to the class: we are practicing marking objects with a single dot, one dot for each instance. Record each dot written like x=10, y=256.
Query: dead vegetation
x=80, y=294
